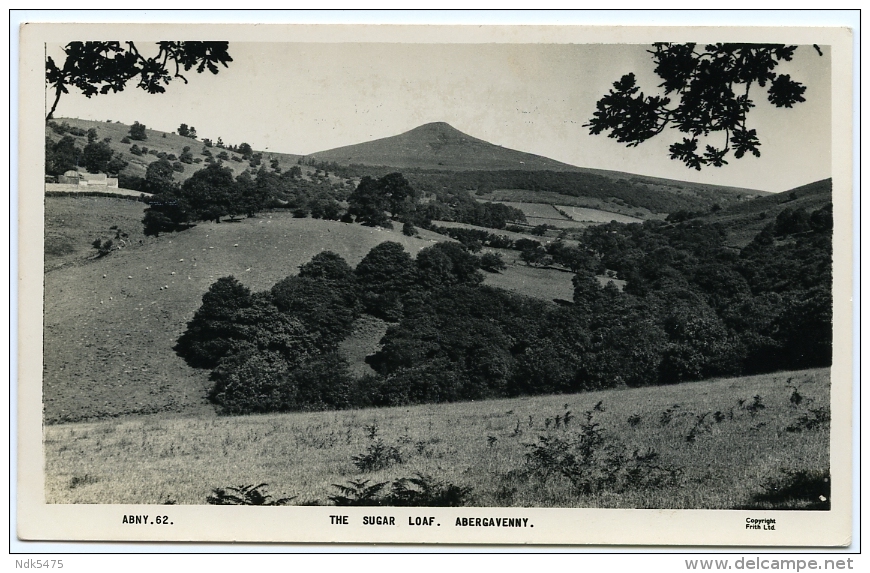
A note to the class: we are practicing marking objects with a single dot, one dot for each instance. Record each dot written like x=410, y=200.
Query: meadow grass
x=726, y=441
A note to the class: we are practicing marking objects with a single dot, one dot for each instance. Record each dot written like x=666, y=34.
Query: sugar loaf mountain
x=439, y=146
x=427, y=267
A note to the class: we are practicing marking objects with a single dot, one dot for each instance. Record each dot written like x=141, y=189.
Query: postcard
x=562, y=285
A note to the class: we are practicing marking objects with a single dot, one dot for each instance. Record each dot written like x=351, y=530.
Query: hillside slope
x=160, y=141
x=110, y=327
x=745, y=220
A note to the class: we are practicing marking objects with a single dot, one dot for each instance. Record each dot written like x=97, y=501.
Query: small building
x=71, y=177
x=95, y=180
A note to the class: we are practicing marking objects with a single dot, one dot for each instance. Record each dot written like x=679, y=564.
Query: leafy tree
x=324, y=381
x=408, y=229
x=457, y=343
x=367, y=205
x=384, y=275
x=102, y=67
x=103, y=247
x=710, y=87
x=167, y=210
x=699, y=344
x=492, y=262
x=159, y=177
x=249, y=198
x=185, y=131
x=246, y=151
x=447, y=263
x=372, y=198
x=400, y=196
x=116, y=164
x=248, y=381
x=537, y=257
x=574, y=258
x=325, y=311
x=61, y=156
x=186, y=156
x=791, y=221
x=210, y=333
x=823, y=219
x=96, y=157
x=211, y=193
x=137, y=131
x=159, y=217
x=92, y=135
x=328, y=266
x=325, y=207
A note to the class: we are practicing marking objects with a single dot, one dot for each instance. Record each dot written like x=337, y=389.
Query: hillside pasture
x=110, y=323
x=586, y=215
x=536, y=210
x=552, y=198
x=725, y=444
x=510, y=234
x=537, y=282
x=578, y=217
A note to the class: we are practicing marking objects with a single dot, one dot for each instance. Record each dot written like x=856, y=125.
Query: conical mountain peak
x=438, y=145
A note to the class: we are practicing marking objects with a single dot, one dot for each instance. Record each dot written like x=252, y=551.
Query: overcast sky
x=303, y=98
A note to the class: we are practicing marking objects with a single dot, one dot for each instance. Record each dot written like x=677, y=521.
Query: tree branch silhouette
x=103, y=67
x=705, y=91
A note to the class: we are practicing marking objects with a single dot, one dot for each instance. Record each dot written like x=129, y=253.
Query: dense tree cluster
x=185, y=131
x=450, y=187
x=212, y=193
x=691, y=308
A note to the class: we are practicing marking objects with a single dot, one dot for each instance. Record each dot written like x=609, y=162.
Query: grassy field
x=760, y=441
x=543, y=283
x=535, y=210
x=72, y=224
x=586, y=215
x=578, y=217
x=511, y=234
x=551, y=198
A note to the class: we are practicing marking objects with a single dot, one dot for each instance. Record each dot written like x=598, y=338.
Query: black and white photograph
x=437, y=285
